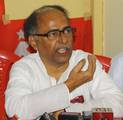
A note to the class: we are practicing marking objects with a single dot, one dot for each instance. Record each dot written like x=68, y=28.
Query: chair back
x=6, y=60
x=105, y=61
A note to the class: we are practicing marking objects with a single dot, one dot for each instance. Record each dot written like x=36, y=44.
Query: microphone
x=47, y=116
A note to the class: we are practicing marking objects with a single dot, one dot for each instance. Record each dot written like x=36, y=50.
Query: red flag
x=83, y=35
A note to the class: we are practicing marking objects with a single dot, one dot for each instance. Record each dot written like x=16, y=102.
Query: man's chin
x=63, y=61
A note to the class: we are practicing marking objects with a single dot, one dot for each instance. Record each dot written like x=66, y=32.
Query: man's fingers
x=94, y=64
x=80, y=65
x=91, y=63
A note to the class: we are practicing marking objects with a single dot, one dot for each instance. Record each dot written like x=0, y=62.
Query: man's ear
x=32, y=42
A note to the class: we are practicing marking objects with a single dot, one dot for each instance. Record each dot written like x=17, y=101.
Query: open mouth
x=63, y=50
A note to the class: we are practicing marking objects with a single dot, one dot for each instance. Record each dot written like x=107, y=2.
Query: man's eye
x=53, y=33
x=68, y=30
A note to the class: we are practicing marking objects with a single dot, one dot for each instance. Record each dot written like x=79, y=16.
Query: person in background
x=116, y=70
x=52, y=79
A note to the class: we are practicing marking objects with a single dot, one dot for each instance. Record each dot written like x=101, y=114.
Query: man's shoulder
x=79, y=54
x=29, y=59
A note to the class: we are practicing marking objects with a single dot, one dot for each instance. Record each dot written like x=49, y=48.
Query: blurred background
x=98, y=22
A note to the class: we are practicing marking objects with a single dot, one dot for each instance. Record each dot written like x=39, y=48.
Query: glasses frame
x=57, y=30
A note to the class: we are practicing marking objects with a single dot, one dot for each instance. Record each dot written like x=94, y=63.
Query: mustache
x=64, y=47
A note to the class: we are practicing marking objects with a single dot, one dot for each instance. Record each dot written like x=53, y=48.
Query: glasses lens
x=53, y=34
x=67, y=30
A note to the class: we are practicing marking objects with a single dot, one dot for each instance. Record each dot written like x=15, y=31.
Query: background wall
x=113, y=27
x=97, y=13
x=19, y=9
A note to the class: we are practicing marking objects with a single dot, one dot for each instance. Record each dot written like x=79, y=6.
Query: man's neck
x=56, y=70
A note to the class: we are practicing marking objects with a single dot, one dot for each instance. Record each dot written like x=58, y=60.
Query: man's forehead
x=52, y=15
x=52, y=12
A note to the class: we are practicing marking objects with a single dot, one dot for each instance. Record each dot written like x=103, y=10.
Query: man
x=49, y=80
x=116, y=70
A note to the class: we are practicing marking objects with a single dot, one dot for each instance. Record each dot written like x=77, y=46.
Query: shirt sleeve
x=20, y=100
x=103, y=93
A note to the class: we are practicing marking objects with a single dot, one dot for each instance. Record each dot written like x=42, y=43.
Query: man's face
x=54, y=50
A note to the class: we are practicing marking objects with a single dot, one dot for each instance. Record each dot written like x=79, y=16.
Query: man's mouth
x=63, y=50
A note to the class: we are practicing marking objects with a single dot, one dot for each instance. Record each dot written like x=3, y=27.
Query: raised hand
x=78, y=76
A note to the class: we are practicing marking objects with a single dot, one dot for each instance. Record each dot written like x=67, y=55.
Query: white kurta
x=31, y=91
x=116, y=70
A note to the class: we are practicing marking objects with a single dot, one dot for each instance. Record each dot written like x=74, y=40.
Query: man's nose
x=62, y=38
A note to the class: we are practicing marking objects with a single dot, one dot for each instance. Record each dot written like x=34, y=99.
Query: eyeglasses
x=55, y=33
